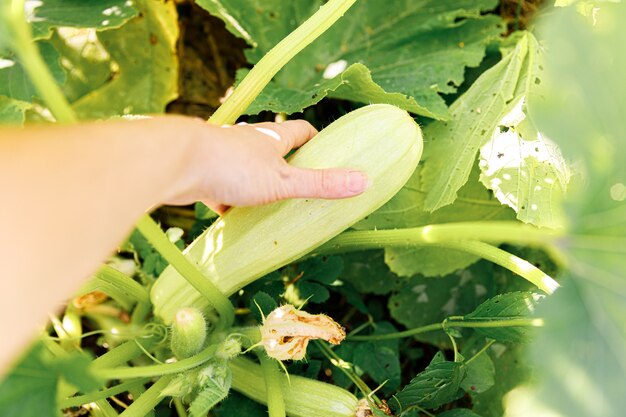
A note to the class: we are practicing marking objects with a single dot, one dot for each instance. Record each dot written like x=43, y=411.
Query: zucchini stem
x=277, y=58
x=467, y=237
x=149, y=399
x=153, y=233
x=128, y=372
x=488, y=231
x=271, y=374
x=507, y=260
x=105, y=393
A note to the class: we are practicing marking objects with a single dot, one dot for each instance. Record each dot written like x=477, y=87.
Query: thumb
x=325, y=183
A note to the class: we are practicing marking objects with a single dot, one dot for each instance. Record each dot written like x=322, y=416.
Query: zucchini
x=248, y=242
x=303, y=397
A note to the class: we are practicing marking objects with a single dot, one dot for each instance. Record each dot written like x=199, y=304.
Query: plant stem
x=522, y=322
x=276, y=58
x=180, y=408
x=465, y=237
x=127, y=372
x=117, y=285
x=34, y=65
x=159, y=240
x=346, y=368
x=149, y=399
x=507, y=260
x=105, y=393
x=271, y=374
x=489, y=231
x=484, y=348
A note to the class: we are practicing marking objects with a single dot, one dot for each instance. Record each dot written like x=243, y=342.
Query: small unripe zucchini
x=189, y=330
x=246, y=243
x=303, y=397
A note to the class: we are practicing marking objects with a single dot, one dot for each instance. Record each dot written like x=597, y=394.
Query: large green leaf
x=511, y=370
x=406, y=209
x=13, y=111
x=580, y=352
x=99, y=14
x=414, y=49
x=30, y=389
x=525, y=170
x=14, y=81
x=422, y=301
x=453, y=145
x=144, y=52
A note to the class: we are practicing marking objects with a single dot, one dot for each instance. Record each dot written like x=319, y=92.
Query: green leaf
x=510, y=306
x=438, y=384
x=215, y=381
x=511, y=370
x=585, y=92
x=30, y=389
x=368, y=273
x=525, y=170
x=406, y=209
x=475, y=115
x=261, y=305
x=458, y=412
x=15, y=83
x=405, y=52
x=13, y=112
x=380, y=359
x=144, y=51
x=236, y=405
x=423, y=301
x=99, y=14
x=480, y=372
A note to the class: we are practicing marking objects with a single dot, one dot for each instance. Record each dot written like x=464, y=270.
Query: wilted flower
x=286, y=332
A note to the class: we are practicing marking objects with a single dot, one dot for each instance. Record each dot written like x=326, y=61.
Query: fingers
x=325, y=183
x=287, y=135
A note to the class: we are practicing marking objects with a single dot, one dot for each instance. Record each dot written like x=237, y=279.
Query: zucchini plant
x=479, y=274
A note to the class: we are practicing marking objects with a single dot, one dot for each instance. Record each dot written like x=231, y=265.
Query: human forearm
x=70, y=195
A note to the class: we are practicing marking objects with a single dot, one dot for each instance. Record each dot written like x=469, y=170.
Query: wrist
x=188, y=136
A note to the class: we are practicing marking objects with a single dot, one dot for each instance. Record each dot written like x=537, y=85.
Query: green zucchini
x=303, y=397
x=246, y=243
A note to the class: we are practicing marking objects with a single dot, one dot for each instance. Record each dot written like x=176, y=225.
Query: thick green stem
x=127, y=372
x=507, y=260
x=522, y=322
x=490, y=231
x=276, y=58
x=153, y=233
x=271, y=374
x=467, y=237
x=149, y=399
x=125, y=352
x=99, y=395
x=118, y=286
x=34, y=65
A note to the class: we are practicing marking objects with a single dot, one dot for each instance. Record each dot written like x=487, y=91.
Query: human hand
x=243, y=165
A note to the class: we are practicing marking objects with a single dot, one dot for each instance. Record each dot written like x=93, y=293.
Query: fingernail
x=357, y=182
